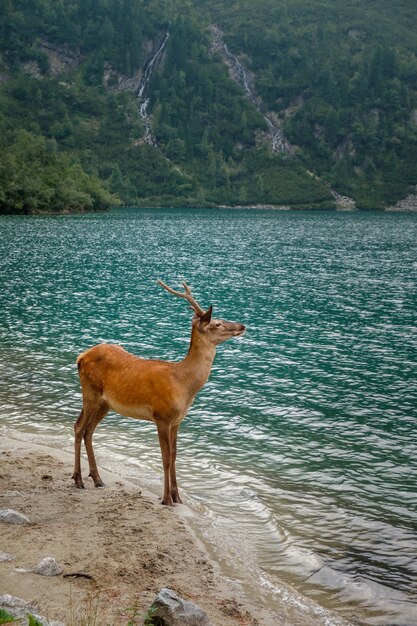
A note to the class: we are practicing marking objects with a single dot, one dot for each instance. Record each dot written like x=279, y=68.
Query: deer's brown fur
x=157, y=391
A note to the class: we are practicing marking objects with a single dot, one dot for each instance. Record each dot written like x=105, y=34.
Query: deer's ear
x=205, y=319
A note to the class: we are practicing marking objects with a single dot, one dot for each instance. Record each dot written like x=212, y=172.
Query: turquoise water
x=300, y=453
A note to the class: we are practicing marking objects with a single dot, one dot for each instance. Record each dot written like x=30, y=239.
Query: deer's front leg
x=165, y=444
x=173, y=477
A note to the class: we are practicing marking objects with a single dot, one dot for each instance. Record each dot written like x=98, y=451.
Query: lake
x=298, y=459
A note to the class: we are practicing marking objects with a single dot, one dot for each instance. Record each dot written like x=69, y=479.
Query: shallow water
x=300, y=452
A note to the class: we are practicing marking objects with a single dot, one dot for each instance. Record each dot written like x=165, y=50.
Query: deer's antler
x=184, y=294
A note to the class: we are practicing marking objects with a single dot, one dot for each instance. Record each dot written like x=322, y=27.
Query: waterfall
x=240, y=75
x=278, y=140
x=142, y=91
x=279, y=143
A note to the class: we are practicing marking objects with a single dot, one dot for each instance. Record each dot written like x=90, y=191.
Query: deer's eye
x=218, y=324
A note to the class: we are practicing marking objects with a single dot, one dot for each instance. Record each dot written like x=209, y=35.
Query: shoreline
x=121, y=536
x=403, y=206
x=407, y=204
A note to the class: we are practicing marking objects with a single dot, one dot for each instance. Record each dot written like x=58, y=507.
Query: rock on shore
x=408, y=204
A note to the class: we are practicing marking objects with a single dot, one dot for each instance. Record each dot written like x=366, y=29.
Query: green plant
x=134, y=615
x=6, y=618
x=150, y=619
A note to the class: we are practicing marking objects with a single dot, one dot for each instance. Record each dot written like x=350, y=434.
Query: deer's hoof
x=167, y=502
x=96, y=479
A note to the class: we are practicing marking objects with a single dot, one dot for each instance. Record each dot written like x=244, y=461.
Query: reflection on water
x=300, y=452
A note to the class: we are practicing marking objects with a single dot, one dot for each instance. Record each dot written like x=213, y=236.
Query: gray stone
x=11, y=602
x=174, y=611
x=13, y=517
x=48, y=567
x=5, y=556
x=21, y=609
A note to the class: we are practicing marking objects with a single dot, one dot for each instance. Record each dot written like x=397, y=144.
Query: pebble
x=48, y=567
x=13, y=517
x=172, y=610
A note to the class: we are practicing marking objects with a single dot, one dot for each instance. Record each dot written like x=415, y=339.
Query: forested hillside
x=80, y=131
x=343, y=76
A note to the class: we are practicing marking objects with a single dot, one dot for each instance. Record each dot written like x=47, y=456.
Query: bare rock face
x=406, y=204
x=115, y=81
x=9, y=516
x=32, y=69
x=343, y=203
x=61, y=57
x=172, y=610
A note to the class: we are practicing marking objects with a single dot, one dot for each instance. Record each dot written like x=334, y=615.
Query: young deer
x=157, y=391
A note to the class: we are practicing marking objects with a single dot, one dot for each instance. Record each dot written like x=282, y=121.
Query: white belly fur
x=137, y=412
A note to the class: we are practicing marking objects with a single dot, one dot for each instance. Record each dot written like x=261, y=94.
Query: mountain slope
x=337, y=80
x=343, y=78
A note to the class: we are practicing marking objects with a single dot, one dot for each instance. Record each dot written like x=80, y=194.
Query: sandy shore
x=124, y=539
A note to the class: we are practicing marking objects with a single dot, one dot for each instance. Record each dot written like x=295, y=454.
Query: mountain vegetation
x=344, y=78
x=340, y=79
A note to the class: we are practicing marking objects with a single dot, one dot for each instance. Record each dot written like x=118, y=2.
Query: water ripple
x=300, y=452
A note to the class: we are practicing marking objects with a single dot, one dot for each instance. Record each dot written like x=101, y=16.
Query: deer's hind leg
x=99, y=414
x=79, y=428
x=92, y=413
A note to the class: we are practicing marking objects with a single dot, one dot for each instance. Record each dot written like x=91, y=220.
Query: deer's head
x=214, y=331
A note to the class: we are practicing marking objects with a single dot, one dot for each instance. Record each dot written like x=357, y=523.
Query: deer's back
x=135, y=387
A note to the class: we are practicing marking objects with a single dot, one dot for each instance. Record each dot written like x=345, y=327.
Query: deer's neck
x=196, y=366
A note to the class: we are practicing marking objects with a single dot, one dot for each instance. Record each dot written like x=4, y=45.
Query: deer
x=154, y=390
